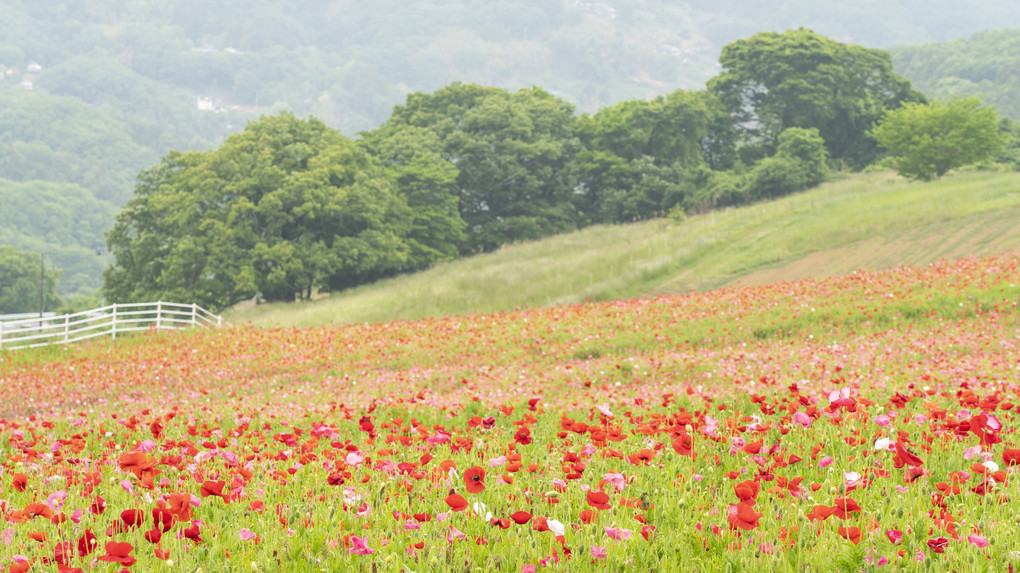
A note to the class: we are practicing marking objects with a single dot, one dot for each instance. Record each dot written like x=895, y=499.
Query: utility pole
x=42, y=284
x=102, y=251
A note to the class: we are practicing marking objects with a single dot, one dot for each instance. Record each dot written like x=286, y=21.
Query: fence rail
x=109, y=321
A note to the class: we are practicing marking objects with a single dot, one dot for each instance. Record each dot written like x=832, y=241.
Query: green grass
x=872, y=221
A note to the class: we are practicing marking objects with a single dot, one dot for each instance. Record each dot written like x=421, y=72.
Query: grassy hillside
x=869, y=221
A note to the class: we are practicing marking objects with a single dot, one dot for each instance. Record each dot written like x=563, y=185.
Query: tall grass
x=890, y=222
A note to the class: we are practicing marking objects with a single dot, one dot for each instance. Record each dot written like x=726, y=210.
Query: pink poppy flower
x=618, y=533
x=802, y=418
x=246, y=534
x=826, y=461
x=598, y=552
x=454, y=534
x=359, y=546
x=978, y=540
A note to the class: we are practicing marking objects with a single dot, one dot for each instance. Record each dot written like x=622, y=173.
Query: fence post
x=67, y=327
x=1, y=335
x=159, y=314
x=194, y=314
x=114, y=321
x=219, y=321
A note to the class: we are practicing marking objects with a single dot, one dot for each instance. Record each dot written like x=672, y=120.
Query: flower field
x=857, y=423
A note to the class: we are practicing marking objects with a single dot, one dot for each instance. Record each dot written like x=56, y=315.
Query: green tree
x=634, y=152
x=925, y=141
x=771, y=82
x=20, y=277
x=412, y=158
x=514, y=156
x=799, y=163
x=281, y=208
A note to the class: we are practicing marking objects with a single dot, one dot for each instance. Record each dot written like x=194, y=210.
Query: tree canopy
x=21, y=277
x=799, y=78
x=513, y=153
x=925, y=141
x=279, y=209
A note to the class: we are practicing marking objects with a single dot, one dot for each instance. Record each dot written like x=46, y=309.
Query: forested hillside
x=94, y=91
x=986, y=64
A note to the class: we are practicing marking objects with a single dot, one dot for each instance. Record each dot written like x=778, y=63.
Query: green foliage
x=636, y=152
x=925, y=141
x=279, y=209
x=986, y=64
x=20, y=278
x=771, y=82
x=63, y=220
x=513, y=153
x=412, y=158
x=799, y=163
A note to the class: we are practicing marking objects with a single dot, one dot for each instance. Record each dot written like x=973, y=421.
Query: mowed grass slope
x=868, y=221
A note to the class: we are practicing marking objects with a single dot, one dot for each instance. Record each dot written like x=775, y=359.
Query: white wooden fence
x=109, y=321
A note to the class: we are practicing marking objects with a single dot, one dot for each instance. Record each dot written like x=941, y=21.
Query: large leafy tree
x=283, y=207
x=771, y=82
x=636, y=152
x=412, y=158
x=925, y=141
x=513, y=153
x=21, y=278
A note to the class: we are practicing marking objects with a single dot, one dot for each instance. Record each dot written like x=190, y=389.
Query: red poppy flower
x=63, y=552
x=119, y=552
x=87, y=543
x=540, y=523
x=502, y=523
x=1011, y=456
x=162, y=518
x=132, y=517
x=753, y=447
x=34, y=510
x=747, y=491
x=820, y=512
x=423, y=517
x=180, y=505
x=641, y=457
x=684, y=445
x=20, y=482
x=844, y=507
x=743, y=516
x=139, y=464
x=852, y=534
x=587, y=516
x=214, y=488
x=456, y=502
x=474, y=479
x=193, y=533
x=523, y=436
x=905, y=457
x=938, y=544
x=520, y=517
x=153, y=535
x=98, y=506
x=598, y=500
